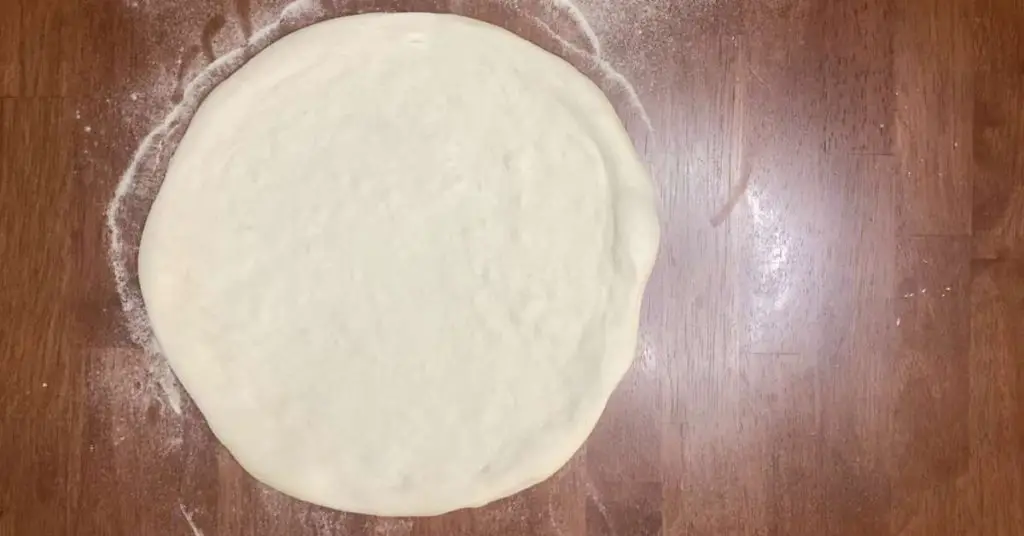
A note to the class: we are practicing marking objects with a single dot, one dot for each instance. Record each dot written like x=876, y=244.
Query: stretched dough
x=397, y=261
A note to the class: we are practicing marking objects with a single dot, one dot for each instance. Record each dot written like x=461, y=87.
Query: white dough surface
x=397, y=261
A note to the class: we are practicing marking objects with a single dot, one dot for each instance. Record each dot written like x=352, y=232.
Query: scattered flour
x=323, y=522
x=121, y=387
x=188, y=519
x=595, y=497
x=559, y=486
x=577, y=16
x=391, y=527
x=606, y=69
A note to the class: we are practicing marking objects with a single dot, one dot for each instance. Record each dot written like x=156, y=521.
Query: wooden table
x=833, y=340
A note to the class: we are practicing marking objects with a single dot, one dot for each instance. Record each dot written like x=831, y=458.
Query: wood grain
x=837, y=351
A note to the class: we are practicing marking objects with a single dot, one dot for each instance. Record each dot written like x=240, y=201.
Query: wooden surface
x=833, y=339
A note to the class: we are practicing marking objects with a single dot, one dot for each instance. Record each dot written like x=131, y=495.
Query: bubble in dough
x=397, y=261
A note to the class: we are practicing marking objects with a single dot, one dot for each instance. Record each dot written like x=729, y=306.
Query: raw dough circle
x=398, y=260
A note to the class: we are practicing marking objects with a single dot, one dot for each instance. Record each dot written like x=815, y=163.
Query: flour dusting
x=591, y=491
x=613, y=76
x=188, y=519
x=577, y=16
x=122, y=387
x=322, y=521
x=392, y=527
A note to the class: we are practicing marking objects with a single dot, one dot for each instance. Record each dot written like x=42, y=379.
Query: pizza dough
x=397, y=261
